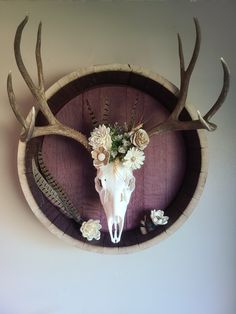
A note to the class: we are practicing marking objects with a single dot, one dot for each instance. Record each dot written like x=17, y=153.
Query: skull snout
x=115, y=226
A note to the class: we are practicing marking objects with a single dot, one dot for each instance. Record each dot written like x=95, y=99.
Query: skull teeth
x=115, y=230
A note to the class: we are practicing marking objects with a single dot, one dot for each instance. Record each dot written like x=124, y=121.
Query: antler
x=173, y=123
x=29, y=129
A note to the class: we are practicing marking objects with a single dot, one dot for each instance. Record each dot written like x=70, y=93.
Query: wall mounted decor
x=118, y=178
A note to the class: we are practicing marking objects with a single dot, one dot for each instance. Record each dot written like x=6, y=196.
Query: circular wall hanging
x=83, y=184
x=172, y=177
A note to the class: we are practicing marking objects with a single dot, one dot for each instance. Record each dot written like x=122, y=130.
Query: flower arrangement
x=114, y=142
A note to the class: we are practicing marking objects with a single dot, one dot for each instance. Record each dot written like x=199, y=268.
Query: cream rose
x=91, y=229
x=140, y=139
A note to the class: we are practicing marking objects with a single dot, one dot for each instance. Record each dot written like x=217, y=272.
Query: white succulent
x=158, y=218
x=100, y=137
x=91, y=229
x=134, y=158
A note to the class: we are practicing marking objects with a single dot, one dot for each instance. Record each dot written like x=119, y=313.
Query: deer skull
x=115, y=184
x=115, y=155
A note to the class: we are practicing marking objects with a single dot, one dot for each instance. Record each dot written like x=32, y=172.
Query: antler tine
x=28, y=125
x=37, y=92
x=173, y=123
x=181, y=58
x=39, y=59
x=223, y=94
x=29, y=129
x=12, y=100
x=185, y=75
x=18, y=56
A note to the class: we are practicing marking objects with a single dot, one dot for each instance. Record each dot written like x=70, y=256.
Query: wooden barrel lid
x=172, y=177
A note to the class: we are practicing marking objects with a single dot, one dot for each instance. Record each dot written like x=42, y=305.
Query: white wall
x=191, y=272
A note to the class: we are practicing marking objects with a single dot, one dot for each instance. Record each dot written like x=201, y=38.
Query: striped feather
x=91, y=113
x=133, y=114
x=106, y=112
x=47, y=190
x=52, y=190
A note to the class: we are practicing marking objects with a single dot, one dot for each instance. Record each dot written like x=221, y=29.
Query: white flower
x=91, y=229
x=118, y=137
x=134, y=158
x=100, y=137
x=114, y=153
x=158, y=217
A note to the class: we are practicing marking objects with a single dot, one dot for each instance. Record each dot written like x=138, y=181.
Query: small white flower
x=134, y=158
x=118, y=137
x=100, y=137
x=126, y=135
x=91, y=229
x=140, y=139
x=158, y=217
x=114, y=153
x=122, y=149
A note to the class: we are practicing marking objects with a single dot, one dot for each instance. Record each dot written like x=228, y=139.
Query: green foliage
x=120, y=141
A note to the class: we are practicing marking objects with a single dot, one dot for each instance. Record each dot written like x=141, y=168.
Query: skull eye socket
x=100, y=183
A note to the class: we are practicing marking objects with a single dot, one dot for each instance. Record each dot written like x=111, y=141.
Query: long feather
x=106, y=112
x=91, y=113
x=63, y=196
x=133, y=114
x=52, y=190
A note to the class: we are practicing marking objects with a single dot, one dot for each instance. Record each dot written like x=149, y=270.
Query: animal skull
x=115, y=184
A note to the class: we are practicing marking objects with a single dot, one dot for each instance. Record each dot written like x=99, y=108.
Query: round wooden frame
x=196, y=147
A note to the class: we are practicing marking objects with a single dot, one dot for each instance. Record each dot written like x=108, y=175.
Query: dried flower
x=91, y=229
x=118, y=137
x=114, y=153
x=100, y=157
x=158, y=218
x=122, y=149
x=100, y=137
x=134, y=158
x=126, y=143
x=140, y=139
